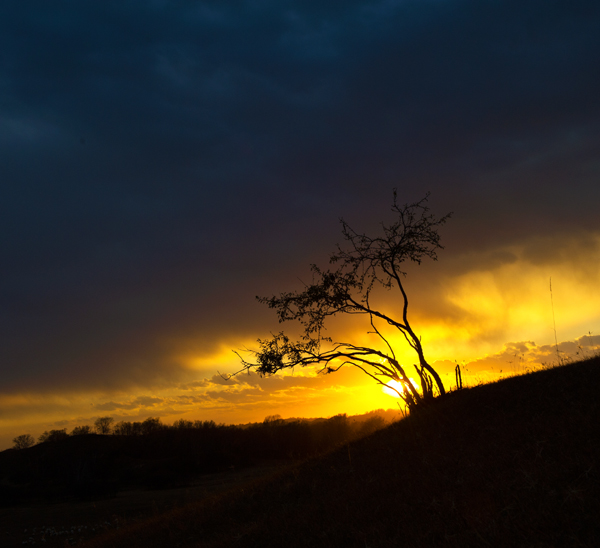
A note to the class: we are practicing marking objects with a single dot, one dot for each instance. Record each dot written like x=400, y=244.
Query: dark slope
x=513, y=463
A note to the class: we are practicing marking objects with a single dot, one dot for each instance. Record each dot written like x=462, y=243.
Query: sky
x=162, y=163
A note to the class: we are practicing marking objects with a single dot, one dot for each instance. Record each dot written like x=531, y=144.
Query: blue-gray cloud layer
x=162, y=162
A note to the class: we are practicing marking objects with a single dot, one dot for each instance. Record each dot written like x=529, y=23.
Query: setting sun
x=392, y=388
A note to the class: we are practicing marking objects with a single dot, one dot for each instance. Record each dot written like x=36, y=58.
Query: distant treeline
x=359, y=425
x=150, y=454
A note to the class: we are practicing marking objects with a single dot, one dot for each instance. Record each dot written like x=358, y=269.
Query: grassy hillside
x=513, y=463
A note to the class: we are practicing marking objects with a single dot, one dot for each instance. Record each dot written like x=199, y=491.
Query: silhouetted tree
x=81, y=430
x=364, y=265
x=151, y=425
x=183, y=424
x=23, y=441
x=205, y=425
x=125, y=428
x=122, y=428
x=103, y=425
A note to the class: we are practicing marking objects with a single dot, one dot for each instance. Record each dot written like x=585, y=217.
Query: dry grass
x=514, y=463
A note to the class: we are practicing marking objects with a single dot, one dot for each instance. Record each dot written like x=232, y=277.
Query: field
x=69, y=523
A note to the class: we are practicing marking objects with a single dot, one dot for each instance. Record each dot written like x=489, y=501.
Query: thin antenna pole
x=554, y=322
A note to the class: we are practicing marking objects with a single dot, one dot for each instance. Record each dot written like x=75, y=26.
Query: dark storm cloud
x=162, y=162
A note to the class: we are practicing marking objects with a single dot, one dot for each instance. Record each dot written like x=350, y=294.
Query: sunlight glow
x=392, y=387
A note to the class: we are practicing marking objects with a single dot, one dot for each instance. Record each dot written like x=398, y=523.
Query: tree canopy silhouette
x=364, y=264
x=23, y=442
x=81, y=430
x=53, y=436
x=103, y=425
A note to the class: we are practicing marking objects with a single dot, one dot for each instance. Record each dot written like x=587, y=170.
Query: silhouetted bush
x=53, y=435
x=81, y=430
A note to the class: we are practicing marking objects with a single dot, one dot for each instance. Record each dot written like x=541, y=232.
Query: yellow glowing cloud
x=513, y=301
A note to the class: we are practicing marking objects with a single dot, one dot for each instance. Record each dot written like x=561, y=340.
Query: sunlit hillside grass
x=514, y=463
